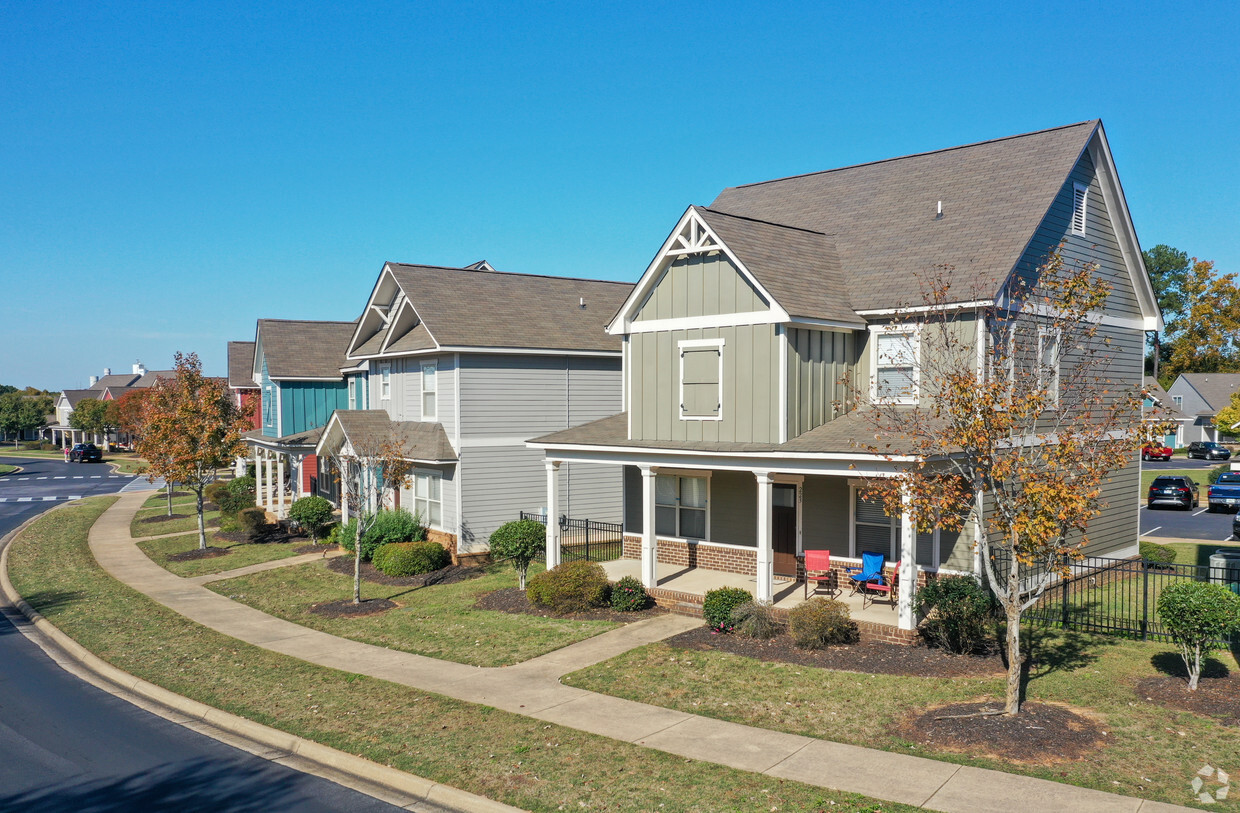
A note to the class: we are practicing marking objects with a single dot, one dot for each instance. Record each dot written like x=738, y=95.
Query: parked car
x=85, y=453
x=1173, y=490
x=1208, y=450
x=1155, y=451
x=1225, y=493
x=1235, y=526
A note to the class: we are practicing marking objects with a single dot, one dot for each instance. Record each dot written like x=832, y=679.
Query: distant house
x=465, y=364
x=1200, y=396
x=1160, y=408
x=108, y=387
x=241, y=383
x=737, y=439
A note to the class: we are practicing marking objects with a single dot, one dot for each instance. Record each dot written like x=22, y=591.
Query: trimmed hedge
x=754, y=619
x=570, y=588
x=411, y=558
x=628, y=596
x=821, y=622
x=238, y=496
x=957, y=614
x=1198, y=615
x=520, y=541
x=718, y=604
x=312, y=513
x=1156, y=555
x=253, y=522
x=389, y=526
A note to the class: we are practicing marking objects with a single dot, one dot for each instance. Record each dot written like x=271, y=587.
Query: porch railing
x=1113, y=596
x=584, y=538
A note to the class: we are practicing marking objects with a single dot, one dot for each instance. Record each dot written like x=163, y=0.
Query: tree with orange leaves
x=370, y=470
x=1018, y=434
x=190, y=428
x=129, y=411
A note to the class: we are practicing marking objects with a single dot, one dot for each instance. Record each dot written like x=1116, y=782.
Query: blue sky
x=171, y=172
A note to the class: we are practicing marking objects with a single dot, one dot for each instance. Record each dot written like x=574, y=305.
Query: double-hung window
x=385, y=382
x=701, y=379
x=680, y=506
x=895, y=365
x=427, y=497
x=430, y=391
x=1048, y=363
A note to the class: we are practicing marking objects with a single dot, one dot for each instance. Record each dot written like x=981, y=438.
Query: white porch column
x=650, y=545
x=553, y=513
x=281, y=509
x=908, y=566
x=239, y=466
x=766, y=554
x=258, y=477
x=269, y=498
x=344, y=492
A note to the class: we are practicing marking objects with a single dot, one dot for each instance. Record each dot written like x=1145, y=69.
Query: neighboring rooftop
x=241, y=365
x=1215, y=388
x=304, y=349
x=369, y=429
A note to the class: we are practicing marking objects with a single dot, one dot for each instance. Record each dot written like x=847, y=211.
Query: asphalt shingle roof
x=463, y=307
x=114, y=380
x=303, y=349
x=1216, y=388
x=241, y=365
x=882, y=216
x=370, y=428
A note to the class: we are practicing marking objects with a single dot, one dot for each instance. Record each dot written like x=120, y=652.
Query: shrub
x=1156, y=555
x=718, y=604
x=229, y=523
x=253, y=522
x=389, y=526
x=570, y=587
x=48, y=447
x=215, y=492
x=957, y=614
x=821, y=622
x=753, y=619
x=411, y=558
x=312, y=513
x=1216, y=471
x=1199, y=615
x=628, y=596
x=520, y=541
x=238, y=497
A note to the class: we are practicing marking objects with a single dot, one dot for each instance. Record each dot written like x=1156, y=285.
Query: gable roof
x=241, y=365
x=114, y=380
x=371, y=428
x=1166, y=406
x=799, y=267
x=476, y=307
x=299, y=349
x=152, y=378
x=1214, y=388
x=881, y=216
x=73, y=396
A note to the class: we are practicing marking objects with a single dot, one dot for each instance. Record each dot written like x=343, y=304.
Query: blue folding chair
x=869, y=577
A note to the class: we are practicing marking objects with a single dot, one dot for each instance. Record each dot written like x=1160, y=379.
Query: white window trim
x=915, y=332
x=413, y=495
x=893, y=554
x=433, y=365
x=676, y=537
x=681, y=346
x=1043, y=332
x=1178, y=400
x=1083, y=190
x=352, y=385
x=385, y=382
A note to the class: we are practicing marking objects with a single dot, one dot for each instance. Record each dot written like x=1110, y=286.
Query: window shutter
x=700, y=382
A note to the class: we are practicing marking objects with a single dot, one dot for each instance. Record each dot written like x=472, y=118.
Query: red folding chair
x=818, y=571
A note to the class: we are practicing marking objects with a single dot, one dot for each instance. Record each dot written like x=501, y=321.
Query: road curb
x=16, y=470
x=363, y=770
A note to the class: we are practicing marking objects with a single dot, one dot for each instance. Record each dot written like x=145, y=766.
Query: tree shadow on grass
x=1049, y=651
x=1172, y=665
x=47, y=602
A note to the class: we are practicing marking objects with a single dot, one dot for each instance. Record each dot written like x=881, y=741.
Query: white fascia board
x=946, y=307
x=844, y=465
x=1126, y=232
x=1130, y=322
x=825, y=324
x=306, y=378
x=385, y=273
x=623, y=323
x=710, y=321
x=256, y=371
x=405, y=304
x=527, y=351
x=330, y=432
x=639, y=452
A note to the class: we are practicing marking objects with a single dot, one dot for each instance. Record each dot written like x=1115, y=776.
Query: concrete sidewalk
x=532, y=689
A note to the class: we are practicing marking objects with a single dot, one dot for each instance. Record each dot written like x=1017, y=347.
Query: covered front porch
x=284, y=469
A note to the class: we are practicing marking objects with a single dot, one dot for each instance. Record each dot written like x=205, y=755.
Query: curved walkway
x=533, y=689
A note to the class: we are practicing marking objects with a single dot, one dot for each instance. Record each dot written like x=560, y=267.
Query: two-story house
x=1200, y=396
x=296, y=365
x=737, y=437
x=462, y=366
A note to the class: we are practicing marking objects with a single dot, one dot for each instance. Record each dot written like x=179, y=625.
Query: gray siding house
x=1200, y=396
x=491, y=359
x=737, y=435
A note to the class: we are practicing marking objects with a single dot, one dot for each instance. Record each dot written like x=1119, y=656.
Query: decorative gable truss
x=389, y=314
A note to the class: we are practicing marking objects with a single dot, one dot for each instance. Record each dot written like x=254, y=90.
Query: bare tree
x=370, y=470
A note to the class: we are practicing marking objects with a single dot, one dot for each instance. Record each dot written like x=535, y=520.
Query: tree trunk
x=1194, y=669
x=168, y=488
x=357, y=566
x=521, y=576
x=1015, y=660
x=202, y=528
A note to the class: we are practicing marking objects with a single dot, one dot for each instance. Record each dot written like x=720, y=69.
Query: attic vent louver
x=1080, y=196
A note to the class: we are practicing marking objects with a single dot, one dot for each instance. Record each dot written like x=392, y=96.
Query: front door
x=784, y=530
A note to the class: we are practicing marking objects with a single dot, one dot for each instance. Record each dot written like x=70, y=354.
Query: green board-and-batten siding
x=818, y=361
x=700, y=285
x=308, y=405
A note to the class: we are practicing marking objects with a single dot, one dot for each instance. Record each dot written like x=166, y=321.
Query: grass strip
x=523, y=762
x=240, y=554
x=1152, y=752
x=153, y=522
x=6, y=469
x=439, y=621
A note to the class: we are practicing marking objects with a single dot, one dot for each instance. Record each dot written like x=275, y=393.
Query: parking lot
x=1175, y=523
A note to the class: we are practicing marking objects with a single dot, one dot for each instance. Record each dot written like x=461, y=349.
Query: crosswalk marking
x=44, y=499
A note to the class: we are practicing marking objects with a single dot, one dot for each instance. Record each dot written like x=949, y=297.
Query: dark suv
x=1173, y=490
x=1208, y=450
x=85, y=453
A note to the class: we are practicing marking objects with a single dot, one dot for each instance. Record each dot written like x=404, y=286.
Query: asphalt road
x=66, y=745
x=1197, y=524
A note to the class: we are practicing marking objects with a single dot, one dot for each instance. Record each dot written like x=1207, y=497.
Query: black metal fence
x=1111, y=596
x=585, y=538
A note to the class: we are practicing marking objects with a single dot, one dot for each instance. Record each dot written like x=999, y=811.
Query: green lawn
x=240, y=555
x=148, y=521
x=5, y=469
x=179, y=500
x=523, y=762
x=1152, y=752
x=439, y=621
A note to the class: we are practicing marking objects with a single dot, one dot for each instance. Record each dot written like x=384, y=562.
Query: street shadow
x=188, y=789
x=1172, y=665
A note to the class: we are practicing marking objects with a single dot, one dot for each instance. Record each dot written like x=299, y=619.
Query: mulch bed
x=870, y=657
x=1217, y=697
x=347, y=609
x=274, y=535
x=1041, y=734
x=445, y=575
x=198, y=553
x=513, y=600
